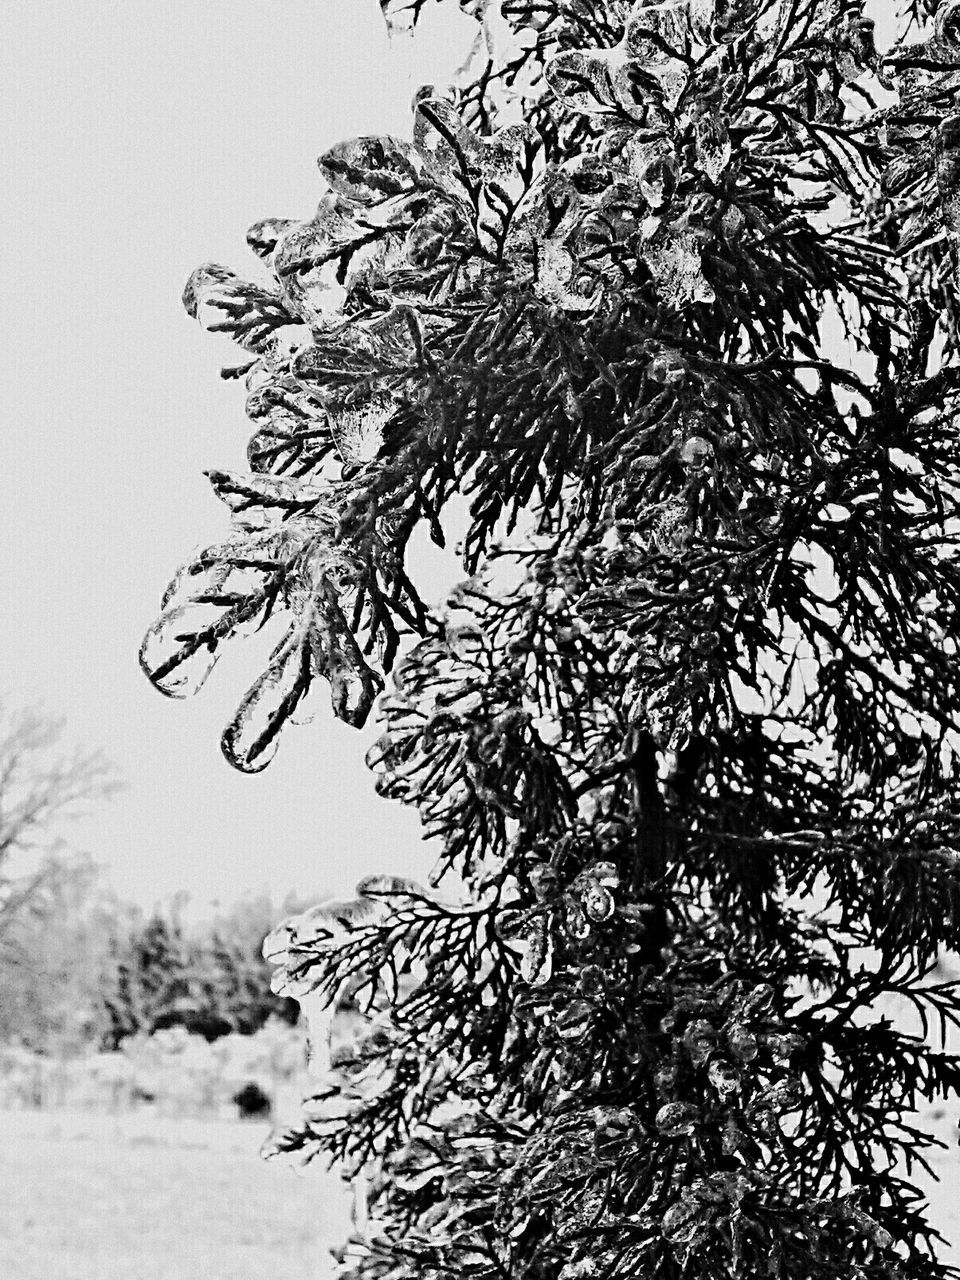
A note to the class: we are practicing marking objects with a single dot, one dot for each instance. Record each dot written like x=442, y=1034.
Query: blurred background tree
x=81, y=969
x=53, y=937
x=210, y=978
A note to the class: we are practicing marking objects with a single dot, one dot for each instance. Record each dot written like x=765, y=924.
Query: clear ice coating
x=947, y=22
x=308, y=267
x=677, y=269
x=441, y=234
x=714, y=149
x=318, y=262
x=560, y=282
x=399, y=222
x=224, y=303
x=358, y=429
x=369, y=170
x=725, y=20
x=450, y=151
x=584, y=80
x=207, y=276
x=653, y=165
x=221, y=593
x=251, y=738
x=536, y=951
x=264, y=235
x=627, y=79
x=948, y=171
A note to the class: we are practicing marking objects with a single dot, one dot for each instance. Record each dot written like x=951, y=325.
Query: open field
x=133, y=1197
x=137, y=1197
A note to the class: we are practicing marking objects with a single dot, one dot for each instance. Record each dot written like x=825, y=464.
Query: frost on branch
x=684, y=742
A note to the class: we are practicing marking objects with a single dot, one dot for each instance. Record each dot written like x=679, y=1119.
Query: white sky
x=139, y=140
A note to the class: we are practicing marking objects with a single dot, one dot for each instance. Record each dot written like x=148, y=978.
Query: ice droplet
x=358, y=430
x=353, y=687
x=598, y=902
x=251, y=738
x=697, y=455
x=559, y=282
x=713, y=145
x=723, y=1077
x=677, y=270
x=653, y=165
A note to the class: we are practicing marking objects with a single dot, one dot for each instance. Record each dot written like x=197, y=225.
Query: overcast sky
x=142, y=139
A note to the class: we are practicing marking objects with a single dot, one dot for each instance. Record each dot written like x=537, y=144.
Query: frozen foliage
x=687, y=749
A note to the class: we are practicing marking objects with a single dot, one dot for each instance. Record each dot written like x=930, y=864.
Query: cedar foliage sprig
x=668, y=291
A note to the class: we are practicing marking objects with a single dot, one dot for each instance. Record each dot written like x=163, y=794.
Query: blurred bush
x=172, y=1071
x=105, y=1007
x=211, y=980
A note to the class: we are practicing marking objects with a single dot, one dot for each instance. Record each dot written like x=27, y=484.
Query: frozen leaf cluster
x=684, y=741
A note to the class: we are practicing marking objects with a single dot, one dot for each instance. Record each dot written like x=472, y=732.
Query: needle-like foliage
x=667, y=291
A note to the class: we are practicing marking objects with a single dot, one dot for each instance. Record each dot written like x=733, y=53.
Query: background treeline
x=81, y=970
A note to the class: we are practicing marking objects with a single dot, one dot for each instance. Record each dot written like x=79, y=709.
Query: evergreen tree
x=668, y=291
x=229, y=955
x=154, y=983
x=211, y=979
